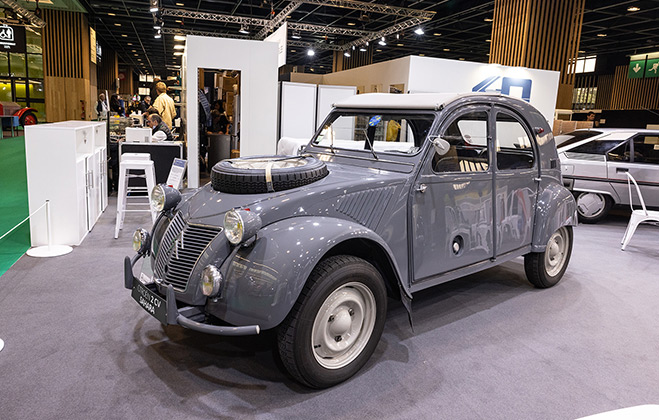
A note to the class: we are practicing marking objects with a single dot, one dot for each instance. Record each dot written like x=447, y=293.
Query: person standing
x=164, y=104
x=102, y=106
x=145, y=104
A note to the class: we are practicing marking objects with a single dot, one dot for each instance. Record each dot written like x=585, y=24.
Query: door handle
x=421, y=188
x=621, y=170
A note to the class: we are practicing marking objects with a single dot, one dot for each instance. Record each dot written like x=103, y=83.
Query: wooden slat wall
x=66, y=66
x=604, y=91
x=357, y=59
x=108, y=71
x=632, y=93
x=539, y=34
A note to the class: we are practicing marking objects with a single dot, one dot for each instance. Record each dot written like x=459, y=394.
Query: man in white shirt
x=164, y=104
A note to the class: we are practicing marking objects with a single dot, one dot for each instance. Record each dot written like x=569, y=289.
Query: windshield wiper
x=370, y=145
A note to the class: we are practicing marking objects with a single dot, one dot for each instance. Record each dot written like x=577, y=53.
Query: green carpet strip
x=13, y=202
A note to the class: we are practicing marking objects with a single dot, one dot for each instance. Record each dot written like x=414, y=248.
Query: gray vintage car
x=394, y=194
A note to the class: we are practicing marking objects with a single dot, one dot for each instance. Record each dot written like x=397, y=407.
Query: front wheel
x=336, y=322
x=28, y=118
x=545, y=269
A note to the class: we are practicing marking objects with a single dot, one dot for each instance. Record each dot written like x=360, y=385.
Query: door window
x=620, y=153
x=514, y=149
x=467, y=135
x=646, y=149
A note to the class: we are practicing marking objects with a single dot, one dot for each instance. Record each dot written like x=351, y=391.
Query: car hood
x=208, y=206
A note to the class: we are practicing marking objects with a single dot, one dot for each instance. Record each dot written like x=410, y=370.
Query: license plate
x=151, y=302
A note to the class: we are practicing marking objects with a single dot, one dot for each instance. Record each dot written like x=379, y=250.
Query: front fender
x=557, y=208
x=263, y=281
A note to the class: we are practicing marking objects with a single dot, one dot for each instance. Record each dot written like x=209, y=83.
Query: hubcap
x=343, y=325
x=590, y=204
x=555, y=255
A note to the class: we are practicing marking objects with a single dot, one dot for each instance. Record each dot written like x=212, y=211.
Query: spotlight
x=311, y=52
x=419, y=31
x=362, y=49
x=157, y=26
x=158, y=35
x=243, y=30
x=153, y=9
x=382, y=42
x=347, y=54
x=296, y=35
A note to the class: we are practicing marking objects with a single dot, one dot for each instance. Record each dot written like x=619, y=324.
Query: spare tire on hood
x=261, y=174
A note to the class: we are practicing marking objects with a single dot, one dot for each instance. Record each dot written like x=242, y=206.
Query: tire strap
x=268, y=176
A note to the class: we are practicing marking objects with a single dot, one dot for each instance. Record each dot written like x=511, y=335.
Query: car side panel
x=263, y=281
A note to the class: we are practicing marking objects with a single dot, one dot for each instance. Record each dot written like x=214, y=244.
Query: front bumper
x=165, y=310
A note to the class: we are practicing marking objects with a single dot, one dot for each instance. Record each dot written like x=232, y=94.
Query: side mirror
x=441, y=146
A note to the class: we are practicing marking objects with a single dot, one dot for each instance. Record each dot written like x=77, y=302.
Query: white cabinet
x=67, y=165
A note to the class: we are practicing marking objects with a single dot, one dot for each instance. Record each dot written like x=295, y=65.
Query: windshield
x=376, y=133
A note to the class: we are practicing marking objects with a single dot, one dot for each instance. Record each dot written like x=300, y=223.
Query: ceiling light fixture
x=351, y=23
x=633, y=9
x=437, y=34
x=362, y=49
x=117, y=24
x=601, y=35
x=153, y=9
x=179, y=47
x=178, y=53
x=447, y=49
x=157, y=27
x=111, y=14
x=296, y=35
x=419, y=31
x=397, y=36
x=311, y=52
x=347, y=54
x=124, y=35
x=158, y=35
x=488, y=20
x=179, y=37
x=382, y=42
x=400, y=45
x=244, y=29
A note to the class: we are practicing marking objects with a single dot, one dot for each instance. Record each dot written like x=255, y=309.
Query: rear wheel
x=545, y=269
x=593, y=207
x=336, y=322
x=28, y=118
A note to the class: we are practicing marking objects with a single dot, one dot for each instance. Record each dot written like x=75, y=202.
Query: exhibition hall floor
x=488, y=346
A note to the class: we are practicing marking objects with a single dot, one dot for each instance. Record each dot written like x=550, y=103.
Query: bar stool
x=134, y=162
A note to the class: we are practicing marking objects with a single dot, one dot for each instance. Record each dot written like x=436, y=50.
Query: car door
x=515, y=181
x=640, y=157
x=452, y=201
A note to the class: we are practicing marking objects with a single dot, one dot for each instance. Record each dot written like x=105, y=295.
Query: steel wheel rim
x=349, y=313
x=591, y=204
x=556, y=253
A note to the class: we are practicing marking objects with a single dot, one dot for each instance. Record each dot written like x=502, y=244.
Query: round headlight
x=141, y=241
x=211, y=280
x=158, y=198
x=233, y=227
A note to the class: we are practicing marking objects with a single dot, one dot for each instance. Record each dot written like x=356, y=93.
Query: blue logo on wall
x=506, y=84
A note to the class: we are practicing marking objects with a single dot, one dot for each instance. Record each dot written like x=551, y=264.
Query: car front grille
x=180, y=249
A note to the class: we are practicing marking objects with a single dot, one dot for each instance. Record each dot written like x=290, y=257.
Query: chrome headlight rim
x=234, y=227
x=211, y=281
x=158, y=198
x=164, y=197
x=141, y=241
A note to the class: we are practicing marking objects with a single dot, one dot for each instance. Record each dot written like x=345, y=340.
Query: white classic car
x=594, y=163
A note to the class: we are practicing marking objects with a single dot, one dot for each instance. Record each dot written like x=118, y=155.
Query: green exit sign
x=636, y=69
x=652, y=68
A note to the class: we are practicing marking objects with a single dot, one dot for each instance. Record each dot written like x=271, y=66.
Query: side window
x=619, y=154
x=646, y=149
x=513, y=146
x=467, y=135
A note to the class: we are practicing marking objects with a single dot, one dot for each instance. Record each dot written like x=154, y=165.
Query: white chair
x=638, y=216
x=134, y=161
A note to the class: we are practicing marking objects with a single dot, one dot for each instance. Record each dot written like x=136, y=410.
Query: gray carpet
x=488, y=346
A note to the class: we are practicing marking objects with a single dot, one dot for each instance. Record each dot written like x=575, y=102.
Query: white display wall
x=257, y=63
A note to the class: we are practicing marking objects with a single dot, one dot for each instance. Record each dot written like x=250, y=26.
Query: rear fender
x=263, y=281
x=22, y=111
x=557, y=208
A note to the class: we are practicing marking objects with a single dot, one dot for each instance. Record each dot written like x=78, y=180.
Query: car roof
x=431, y=101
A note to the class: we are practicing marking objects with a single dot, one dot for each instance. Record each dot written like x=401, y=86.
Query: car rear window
x=575, y=136
x=597, y=147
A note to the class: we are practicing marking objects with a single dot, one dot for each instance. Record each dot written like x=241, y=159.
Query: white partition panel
x=257, y=62
x=297, y=117
x=327, y=96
